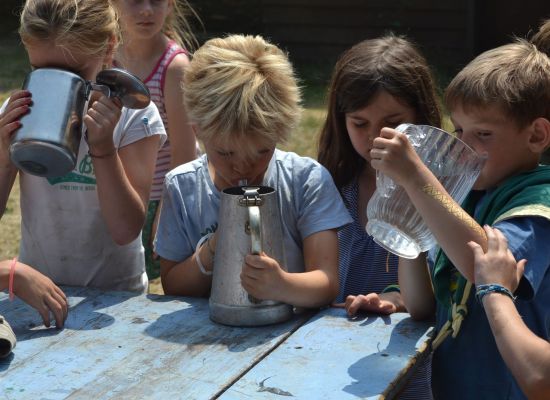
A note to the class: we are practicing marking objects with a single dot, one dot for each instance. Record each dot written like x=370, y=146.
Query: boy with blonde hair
x=500, y=106
x=242, y=98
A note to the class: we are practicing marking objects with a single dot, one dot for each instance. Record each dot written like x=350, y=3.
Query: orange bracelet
x=12, y=273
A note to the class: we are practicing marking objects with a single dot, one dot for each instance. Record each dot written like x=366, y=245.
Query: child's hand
x=498, y=265
x=100, y=121
x=40, y=292
x=375, y=303
x=262, y=277
x=393, y=155
x=18, y=105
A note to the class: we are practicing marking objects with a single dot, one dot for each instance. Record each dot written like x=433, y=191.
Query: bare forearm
x=4, y=274
x=452, y=227
x=122, y=208
x=185, y=278
x=416, y=288
x=526, y=355
x=308, y=289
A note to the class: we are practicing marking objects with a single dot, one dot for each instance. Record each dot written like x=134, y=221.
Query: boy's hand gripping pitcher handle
x=252, y=200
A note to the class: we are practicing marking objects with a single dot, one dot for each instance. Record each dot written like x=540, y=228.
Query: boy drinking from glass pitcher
x=500, y=106
x=242, y=98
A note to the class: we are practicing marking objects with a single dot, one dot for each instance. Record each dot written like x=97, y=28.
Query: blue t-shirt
x=365, y=267
x=308, y=202
x=470, y=365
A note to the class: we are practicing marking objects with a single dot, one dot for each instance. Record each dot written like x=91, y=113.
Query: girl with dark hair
x=377, y=83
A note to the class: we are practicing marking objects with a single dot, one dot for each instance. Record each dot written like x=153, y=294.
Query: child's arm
x=416, y=287
x=264, y=278
x=183, y=146
x=123, y=177
x=527, y=355
x=453, y=228
x=185, y=278
x=17, y=106
x=37, y=290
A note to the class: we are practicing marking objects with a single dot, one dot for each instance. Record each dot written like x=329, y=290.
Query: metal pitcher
x=47, y=142
x=249, y=223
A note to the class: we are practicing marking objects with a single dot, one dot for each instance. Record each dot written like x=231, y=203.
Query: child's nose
x=372, y=133
x=242, y=166
x=146, y=8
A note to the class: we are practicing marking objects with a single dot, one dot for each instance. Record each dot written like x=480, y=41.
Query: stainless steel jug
x=47, y=142
x=249, y=223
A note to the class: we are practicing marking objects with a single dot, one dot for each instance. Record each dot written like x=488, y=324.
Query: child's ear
x=540, y=135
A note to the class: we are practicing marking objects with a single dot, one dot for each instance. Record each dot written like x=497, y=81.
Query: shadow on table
x=400, y=349
x=191, y=326
x=27, y=323
x=6, y=361
x=367, y=318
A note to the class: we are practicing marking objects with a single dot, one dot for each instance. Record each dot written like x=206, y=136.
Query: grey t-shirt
x=308, y=201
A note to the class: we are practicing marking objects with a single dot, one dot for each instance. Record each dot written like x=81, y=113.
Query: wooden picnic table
x=119, y=345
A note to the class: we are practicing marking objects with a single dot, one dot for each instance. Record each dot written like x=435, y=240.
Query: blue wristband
x=482, y=290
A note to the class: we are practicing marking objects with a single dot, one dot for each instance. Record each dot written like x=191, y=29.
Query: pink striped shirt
x=155, y=83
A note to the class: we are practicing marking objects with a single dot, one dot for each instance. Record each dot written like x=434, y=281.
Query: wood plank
x=333, y=357
x=119, y=345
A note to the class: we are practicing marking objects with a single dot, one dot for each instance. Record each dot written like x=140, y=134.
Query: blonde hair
x=177, y=26
x=541, y=38
x=514, y=77
x=241, y=87
x=86, y=26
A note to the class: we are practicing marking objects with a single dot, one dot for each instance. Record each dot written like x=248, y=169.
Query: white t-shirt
x=63, y=234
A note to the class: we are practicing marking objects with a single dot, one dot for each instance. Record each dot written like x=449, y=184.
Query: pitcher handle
x=254, y=223
x=106, y=90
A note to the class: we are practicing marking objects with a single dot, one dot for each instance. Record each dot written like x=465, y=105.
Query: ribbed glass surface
x=393, y=221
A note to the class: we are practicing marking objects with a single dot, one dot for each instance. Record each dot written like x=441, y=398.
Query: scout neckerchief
x=527, y=194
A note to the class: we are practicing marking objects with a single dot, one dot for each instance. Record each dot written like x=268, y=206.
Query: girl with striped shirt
x=154, y=48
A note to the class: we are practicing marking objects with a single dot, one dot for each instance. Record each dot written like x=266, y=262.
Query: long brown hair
x=390, y=63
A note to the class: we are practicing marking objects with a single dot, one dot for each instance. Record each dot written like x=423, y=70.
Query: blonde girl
x=156, y=40
x=84, y=228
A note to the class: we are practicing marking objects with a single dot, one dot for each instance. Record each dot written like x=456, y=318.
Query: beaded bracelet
x=197, y=255
x=10, y=281
x=482, y=290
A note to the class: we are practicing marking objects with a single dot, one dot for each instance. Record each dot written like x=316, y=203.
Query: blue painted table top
x=119, y=345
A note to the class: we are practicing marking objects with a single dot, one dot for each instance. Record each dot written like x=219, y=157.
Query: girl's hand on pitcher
x=18, y=105
x=262, y=277
x=100, y=120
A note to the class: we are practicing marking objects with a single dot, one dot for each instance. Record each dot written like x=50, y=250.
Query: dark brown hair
x=390, y=63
